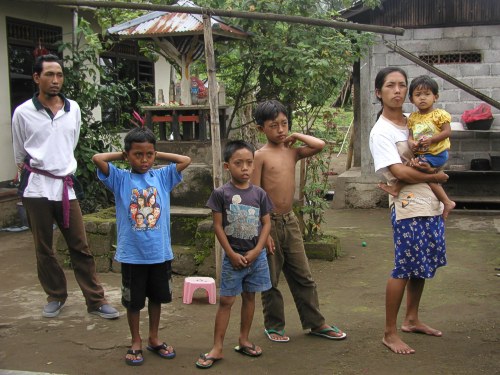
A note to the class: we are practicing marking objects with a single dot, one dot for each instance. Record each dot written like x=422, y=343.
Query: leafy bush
x=83, y=76
x=317, y=175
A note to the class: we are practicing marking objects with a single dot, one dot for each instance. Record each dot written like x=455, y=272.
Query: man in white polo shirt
x=45, y=132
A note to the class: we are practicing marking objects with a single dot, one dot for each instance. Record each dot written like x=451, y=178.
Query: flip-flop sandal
x=206, y=357
x=324, y=333
x=163, y=346
x=248, y=350
x=281, y=333
x=137, y=361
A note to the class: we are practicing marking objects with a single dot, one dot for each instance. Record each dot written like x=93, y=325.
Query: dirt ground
x=463, y=301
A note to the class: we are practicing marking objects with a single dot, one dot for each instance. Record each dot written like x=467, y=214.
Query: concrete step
x=8, y=193
x=9, y=214
x=475, y=199
x=484, y=203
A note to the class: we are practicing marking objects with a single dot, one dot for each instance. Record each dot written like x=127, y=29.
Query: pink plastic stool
x=193, y=283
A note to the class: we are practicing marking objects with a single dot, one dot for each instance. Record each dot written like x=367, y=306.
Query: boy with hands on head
x=144, y=250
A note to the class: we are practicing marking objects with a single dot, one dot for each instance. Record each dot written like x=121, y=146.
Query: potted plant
x=316, y=188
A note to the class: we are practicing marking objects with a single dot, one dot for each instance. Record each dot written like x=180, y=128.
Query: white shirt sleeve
x=78, y=116
x=18, y=137
x=384, y=151
x=384, y=138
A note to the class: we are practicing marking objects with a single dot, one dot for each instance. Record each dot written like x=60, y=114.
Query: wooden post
x=214, y=124
x=350, y=149
x=185, y=82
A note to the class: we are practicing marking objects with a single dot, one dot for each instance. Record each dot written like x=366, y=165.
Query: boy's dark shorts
x=139, y=281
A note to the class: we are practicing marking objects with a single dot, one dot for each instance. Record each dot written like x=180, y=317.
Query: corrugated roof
x=158, y=24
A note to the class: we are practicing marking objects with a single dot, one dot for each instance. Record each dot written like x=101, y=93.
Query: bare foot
x=397, y=345
x=421, y=328
x=388, y=189
x=448, y=206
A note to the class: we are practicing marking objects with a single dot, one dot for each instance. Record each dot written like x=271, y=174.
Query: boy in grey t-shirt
x=241, y=215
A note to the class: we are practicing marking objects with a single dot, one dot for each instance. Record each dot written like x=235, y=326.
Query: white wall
x=52, y=15
x=31, y=12
x=162, y=78
x=7, y=167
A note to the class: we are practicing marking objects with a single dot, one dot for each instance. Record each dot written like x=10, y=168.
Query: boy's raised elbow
x=317, y=146
x=184, y=163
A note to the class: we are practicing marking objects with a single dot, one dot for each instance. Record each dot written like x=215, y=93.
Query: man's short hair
x=38, y=66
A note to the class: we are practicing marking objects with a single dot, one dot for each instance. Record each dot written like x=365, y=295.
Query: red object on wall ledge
x=40, y=50
x=479, y=118
x=481, y=112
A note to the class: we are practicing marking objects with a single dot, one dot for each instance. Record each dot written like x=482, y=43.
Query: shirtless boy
x=275, y=173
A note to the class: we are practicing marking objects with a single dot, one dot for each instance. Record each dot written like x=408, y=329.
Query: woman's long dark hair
x=380, y=79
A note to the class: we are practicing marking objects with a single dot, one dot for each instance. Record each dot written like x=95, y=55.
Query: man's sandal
x=281, y=333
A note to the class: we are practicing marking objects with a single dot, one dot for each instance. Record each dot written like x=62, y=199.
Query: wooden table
x=194, y=119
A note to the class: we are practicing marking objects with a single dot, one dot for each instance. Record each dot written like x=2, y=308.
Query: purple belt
x=67, y=183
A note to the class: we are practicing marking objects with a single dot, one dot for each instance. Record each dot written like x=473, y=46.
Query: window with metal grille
x=125, y=62
x=23, y=39
x=452, y=58
x=32, y=32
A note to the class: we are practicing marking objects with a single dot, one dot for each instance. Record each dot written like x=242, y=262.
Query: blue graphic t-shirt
x=241, y=212
x=142, y=213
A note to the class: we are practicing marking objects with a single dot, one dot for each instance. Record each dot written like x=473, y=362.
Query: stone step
x=9, y=215
x=189, y=211
x=8, y=193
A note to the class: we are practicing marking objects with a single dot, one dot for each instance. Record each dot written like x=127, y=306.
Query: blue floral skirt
x=419, y=246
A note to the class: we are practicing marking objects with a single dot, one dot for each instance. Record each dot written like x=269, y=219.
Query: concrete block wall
x=467, y=145
x=484, y=77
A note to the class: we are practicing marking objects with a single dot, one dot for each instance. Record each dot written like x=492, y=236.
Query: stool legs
x=191, y=284
x=212, y=294
x=187, y=294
